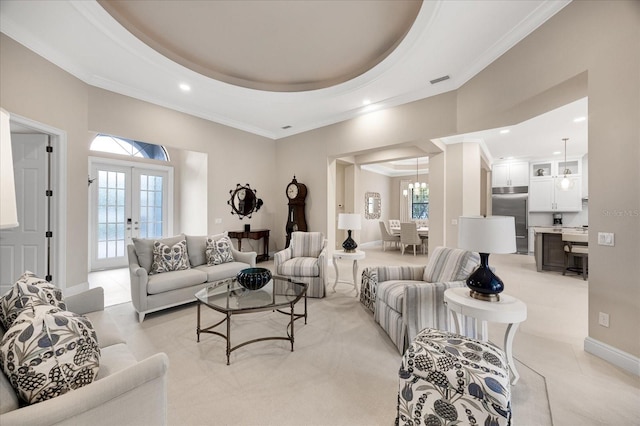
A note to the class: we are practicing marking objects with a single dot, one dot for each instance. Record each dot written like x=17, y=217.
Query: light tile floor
x=583, y=389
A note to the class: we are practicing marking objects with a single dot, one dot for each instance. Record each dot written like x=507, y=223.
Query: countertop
x=559, y=230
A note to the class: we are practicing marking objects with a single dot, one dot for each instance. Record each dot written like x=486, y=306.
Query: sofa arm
x=244, y=257
x=424, y=307
x=280, y=257
x=133, y=396
x=322, y=262
x=372, y=276
x=139, y=279
x=88, y=301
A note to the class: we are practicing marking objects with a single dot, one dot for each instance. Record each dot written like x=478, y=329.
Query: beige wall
x=589, y=48
x=34, y=88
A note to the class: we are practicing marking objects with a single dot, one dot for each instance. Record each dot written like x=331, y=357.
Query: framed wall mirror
x=244, y=201
x=372, y=205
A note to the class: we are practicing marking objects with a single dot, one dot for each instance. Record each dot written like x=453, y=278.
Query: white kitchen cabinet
x=510, y=174
x=548, y=168
x=545, y=194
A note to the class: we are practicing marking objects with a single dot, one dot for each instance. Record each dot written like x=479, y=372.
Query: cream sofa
x=154, y=292
x=125, y=392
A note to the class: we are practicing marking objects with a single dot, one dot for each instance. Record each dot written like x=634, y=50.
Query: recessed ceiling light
x=557, y=152
x=579, y=119
x=185, y=87
x=366, y=102
x=504, y=131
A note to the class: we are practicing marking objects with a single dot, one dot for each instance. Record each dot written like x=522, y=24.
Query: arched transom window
x=128, y=147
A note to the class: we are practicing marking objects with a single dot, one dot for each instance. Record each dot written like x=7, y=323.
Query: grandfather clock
x=296, y=220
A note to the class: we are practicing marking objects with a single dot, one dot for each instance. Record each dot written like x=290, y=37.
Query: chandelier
x=417, y=183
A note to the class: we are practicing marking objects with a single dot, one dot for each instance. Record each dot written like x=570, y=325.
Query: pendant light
x=566, y=183
x=417, y=184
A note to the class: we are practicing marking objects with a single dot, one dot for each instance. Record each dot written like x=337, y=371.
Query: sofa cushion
x=144, y=249
x=391, y=293
x=447, y=264
x=161, y=283
x=197, y=245
x=48, y=352
x=106, y=329
x=28, y=290
x=169, y=258
x=306, y=244
x=223, y=271
x=115, y=358
x=300, y=267
x=219, y=251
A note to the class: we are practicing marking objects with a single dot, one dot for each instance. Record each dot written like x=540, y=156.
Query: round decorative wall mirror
x=244, y=201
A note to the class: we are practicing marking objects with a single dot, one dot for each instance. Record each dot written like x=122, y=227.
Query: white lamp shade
x=349, y=221
x=8, y=211
x=491, y=234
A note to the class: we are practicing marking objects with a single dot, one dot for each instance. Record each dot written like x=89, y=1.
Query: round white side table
x=358, y=255
x=508, y=310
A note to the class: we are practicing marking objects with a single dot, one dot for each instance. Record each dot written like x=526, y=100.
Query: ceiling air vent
x=285, y=127
x=439, y=79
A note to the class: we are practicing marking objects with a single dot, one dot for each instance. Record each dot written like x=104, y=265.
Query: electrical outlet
x=603, y=319
x=606, y=239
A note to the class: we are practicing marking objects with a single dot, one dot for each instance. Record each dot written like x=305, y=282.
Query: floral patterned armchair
x=448, y=379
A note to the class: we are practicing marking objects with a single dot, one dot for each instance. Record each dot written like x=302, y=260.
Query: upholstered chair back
x=306, y=244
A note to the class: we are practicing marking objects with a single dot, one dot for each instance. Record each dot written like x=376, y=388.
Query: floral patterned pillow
x=219, y=251
x=48, y=352
x=169, y=258
x=29, y=290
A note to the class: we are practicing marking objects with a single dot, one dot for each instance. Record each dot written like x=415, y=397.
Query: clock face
x=292, y=190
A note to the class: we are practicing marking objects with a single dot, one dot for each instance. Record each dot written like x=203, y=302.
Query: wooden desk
x=254, y=234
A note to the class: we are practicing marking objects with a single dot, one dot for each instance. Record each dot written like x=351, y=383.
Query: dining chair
x=387, y=237
x=409, y=237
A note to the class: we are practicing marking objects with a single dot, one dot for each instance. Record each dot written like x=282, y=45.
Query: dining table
x=423, y=231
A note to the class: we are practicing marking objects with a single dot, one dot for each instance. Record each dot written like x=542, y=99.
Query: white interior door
x=126, y=202
x=24, y=248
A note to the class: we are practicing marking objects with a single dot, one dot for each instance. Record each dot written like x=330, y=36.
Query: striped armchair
x=305, y=260
x=407, y=299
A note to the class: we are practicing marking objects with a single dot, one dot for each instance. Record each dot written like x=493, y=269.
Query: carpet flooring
x=343, y=370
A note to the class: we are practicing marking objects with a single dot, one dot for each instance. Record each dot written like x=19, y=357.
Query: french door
x=126, y=202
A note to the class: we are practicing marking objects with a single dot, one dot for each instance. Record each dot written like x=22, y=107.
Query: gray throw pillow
x=197, y=246
x=219, y=251
x=144, y=249
x=169, y=258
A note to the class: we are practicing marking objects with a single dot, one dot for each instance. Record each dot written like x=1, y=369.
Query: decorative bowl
x=254, y=278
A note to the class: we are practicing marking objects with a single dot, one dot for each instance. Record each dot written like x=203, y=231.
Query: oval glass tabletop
x=229, y=295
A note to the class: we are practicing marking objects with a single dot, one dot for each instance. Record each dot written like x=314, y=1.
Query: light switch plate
x=218, y=221
x=606, y=239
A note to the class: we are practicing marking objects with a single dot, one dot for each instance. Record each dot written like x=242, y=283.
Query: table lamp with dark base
x=485, y=235
x=484, y=284
x=349, y=222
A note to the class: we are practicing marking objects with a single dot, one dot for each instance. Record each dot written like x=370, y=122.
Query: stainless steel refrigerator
x=512, y=201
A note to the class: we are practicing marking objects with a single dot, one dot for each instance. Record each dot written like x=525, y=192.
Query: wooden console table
x=254, y=234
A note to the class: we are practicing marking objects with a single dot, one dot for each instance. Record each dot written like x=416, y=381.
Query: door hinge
x=48, y=234
x=49, y=149
x=49, y=193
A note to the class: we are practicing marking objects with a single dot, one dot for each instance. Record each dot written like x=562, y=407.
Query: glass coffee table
x=230, y=298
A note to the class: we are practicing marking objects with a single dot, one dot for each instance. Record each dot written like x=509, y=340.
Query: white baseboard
x=613, y=355
x=371, y=243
